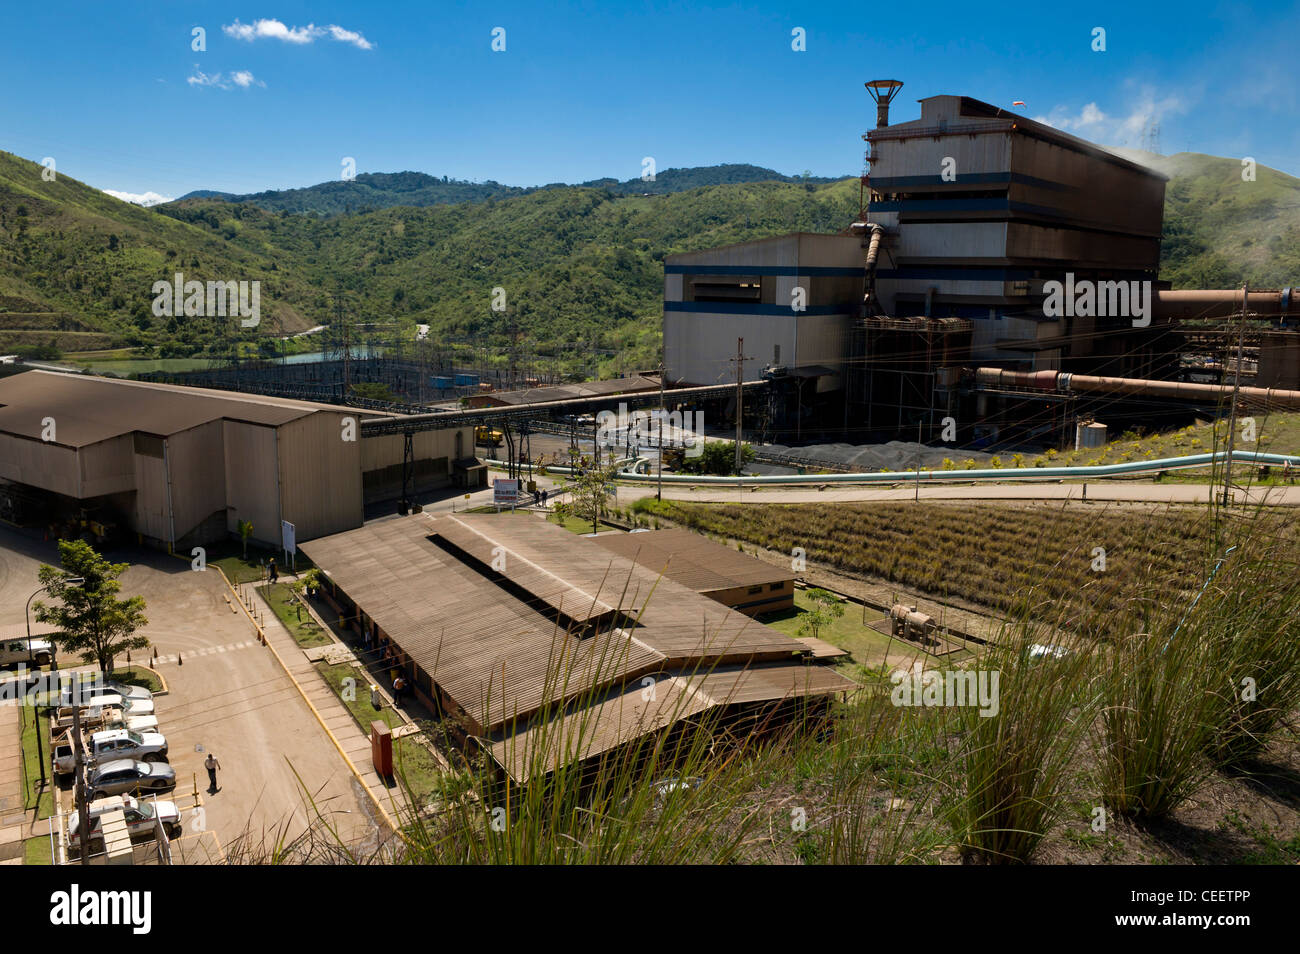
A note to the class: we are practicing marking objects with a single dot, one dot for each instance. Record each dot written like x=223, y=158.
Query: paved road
x=228, y=695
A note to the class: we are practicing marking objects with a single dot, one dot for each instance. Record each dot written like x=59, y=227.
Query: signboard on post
x=288, y=540
x=505, y=492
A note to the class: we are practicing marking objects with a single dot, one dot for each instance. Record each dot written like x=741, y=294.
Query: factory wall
x=700, y=335
x=39, y=464
x=196, y=466
x=106, y=467
x=435, y=451
x=252, y=479
x=320, y=475
x=152, y=515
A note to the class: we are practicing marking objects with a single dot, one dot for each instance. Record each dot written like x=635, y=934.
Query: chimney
x=883, y=92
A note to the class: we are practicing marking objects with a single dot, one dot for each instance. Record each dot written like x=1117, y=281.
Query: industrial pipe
x=1210, y=303
x=995, y=475
x=1172, y=390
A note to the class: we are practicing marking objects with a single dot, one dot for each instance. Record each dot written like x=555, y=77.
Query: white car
x=90, y=692
x=140, y=818
x=34, y=652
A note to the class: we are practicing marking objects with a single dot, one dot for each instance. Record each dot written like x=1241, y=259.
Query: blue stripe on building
x=745, y=308
x=890, y=183
x=809, y=271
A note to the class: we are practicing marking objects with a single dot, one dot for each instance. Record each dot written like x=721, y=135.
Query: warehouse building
x=182, y=466
x=743, y=583
x=540, y=642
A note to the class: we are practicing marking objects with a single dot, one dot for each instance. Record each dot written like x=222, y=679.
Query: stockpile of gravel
x=868, y=458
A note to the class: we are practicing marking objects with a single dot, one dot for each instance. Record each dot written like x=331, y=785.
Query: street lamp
x=27, y=618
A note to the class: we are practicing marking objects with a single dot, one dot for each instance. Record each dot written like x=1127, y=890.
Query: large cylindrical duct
x=1211, y=303
x=1125, y=387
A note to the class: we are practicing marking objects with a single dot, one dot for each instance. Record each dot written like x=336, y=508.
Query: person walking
x=273, y=572
x=399, y=686
x=211, y=764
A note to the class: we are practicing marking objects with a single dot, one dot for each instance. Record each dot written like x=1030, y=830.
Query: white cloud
x=241, y=78
x=275, y=30
x=1143, y=111
x=349, y=36
x=139, y=198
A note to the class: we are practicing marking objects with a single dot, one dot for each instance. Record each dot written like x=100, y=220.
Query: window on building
x=739, y=290
x=755, y=589
x=775, y=586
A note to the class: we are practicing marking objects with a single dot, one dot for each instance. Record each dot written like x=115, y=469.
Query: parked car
x=130, y=775
x=116, y=744
x=33, y=652
x=64, y=758
x=129, y=707
x=141, y=819
x=86, y=693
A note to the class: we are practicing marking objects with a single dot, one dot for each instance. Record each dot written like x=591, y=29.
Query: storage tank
x=1089, y=435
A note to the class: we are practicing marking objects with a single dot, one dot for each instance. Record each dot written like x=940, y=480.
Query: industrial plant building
x=183, y=466
x=544, y=645
x=973, y=221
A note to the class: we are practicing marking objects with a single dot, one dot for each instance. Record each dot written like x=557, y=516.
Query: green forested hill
x=368, y=192
x=1220, y=230
x=78, y=264
x=580, y=264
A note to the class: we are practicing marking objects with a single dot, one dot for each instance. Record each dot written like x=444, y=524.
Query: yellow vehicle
x=488, y=437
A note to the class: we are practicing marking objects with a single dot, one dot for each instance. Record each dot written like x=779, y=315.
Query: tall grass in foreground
x=1016, y=764
x=1200, y=680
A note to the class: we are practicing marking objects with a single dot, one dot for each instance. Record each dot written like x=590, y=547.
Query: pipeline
x=939, y=476
x=1064, y=381
x=1211, y=303
x=869, y=303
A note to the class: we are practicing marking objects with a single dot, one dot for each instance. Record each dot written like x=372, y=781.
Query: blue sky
x=283, y=92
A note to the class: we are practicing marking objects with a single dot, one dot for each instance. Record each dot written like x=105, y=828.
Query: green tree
x=826, y=608
x=590, y=489
x=91, y=621
x=245, y=530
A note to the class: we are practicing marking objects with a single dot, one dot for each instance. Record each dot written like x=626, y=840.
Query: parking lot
x=227, y=695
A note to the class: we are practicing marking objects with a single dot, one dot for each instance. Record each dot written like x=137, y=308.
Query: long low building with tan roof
x=539, y=640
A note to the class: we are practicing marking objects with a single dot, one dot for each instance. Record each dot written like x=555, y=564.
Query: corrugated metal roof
x=630, y=711
x=693, y=560
x=467, y=633
x=562, y=392
x=88, y=409
x=502, y=661
x=670, y=617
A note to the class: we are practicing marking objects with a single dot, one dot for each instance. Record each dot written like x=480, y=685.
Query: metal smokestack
x=883, y=92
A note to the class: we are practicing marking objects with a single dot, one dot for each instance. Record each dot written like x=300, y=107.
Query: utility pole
x=659, y=485
x=1236, y=389
x=740, y=399
x=79, y=770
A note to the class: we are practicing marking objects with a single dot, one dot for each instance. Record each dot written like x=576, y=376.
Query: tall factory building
x=981, y=207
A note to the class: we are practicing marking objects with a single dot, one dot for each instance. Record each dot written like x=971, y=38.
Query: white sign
x=505, y=493
x=287, y=537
